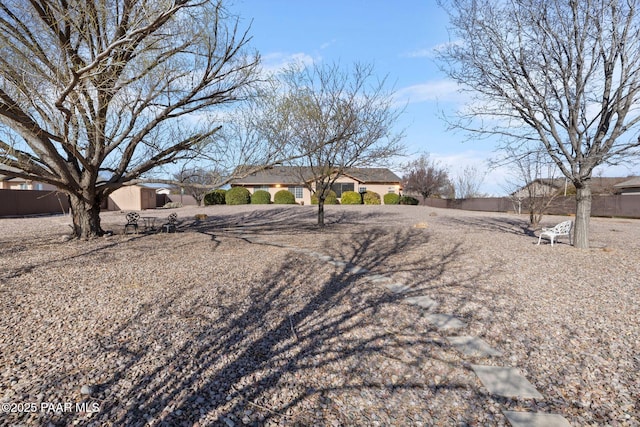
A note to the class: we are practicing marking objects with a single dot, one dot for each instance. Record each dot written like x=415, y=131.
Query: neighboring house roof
x=599, y=185
x=293, y=175
x=629, y=183
x=606, y=185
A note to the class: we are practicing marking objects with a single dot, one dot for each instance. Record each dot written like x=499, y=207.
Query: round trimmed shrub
x=391, y=199
x=215, y=197
x=371, y=198
x=331, y=199
x=260, y=197
x=350, y=198
x=284, y=197
x=237, y=196
x=408, y=200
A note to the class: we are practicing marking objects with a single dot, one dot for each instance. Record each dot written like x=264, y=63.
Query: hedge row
x=284, y=197
x=353, y=198
x=391, y=199
x=238, y=196
x=350, y=198
x=260, y=197
x=241, y=196
x=408, y=200
x=371, y=198
x=330, y=199
x=215, y=197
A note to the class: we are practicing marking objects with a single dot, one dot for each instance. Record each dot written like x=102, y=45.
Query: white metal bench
x=562, y=229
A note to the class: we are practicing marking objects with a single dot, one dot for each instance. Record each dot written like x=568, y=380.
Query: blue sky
x=398, y=38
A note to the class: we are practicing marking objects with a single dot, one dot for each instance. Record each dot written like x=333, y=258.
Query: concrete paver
x=507, y=382
x=473, y=346
x=378, y=278
x=354, y=269
x=445, y=321
x=535, y=419
x=397, y=288
x=423, y=301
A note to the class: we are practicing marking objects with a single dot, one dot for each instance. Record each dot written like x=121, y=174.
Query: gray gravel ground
x=228, y=322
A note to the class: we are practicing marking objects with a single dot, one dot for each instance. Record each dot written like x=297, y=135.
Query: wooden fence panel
x=32, y=202
x=627, y=206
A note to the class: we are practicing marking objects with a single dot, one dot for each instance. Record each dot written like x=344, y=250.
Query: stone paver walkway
x=501, y=381
x=473, y=346
x=535, y=419
x=507, y=382
x=423, y=302
x=445, y=321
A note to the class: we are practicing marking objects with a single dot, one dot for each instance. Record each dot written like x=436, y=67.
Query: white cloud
x=327, y=44
x=431, y=52
x=276, y=61
x=435, y=90
x=420, y=53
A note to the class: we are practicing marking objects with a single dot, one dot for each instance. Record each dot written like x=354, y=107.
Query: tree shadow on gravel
x=252, y=359
x=516, y=226
x=287, y=219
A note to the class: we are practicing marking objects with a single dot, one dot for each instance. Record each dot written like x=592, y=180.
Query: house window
x=296, y=191
x=341, y=187
x=261, y=187
x=391, y=190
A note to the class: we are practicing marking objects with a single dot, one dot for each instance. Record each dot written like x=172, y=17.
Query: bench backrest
x=563, y=227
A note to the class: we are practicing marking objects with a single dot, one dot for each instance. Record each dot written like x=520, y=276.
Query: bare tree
x=533, y=185
x=563, y=74
x=468, y=182
x=95, y=94
x=331, y=119
x=197, y=182
x=426, y=177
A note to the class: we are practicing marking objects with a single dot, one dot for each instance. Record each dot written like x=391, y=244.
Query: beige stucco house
x=297, y=180
x=8, y=182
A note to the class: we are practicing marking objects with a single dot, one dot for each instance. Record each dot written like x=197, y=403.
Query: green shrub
x=350, y=198
x=237, y=196
x=215, y=197
x=391, y=199
x=331, y=199
x=371, y=198
x=260, y=197
x=284, y=197
x=408, y=200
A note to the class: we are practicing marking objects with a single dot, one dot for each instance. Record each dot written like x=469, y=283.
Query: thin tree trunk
x=320, y=212
x=85, y=211
x=583, y=214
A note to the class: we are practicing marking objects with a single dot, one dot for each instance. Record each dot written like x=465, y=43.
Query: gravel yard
x=234, y=320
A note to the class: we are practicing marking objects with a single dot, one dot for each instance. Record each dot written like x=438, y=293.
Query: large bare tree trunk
x=583, y=214
x=85, y=210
